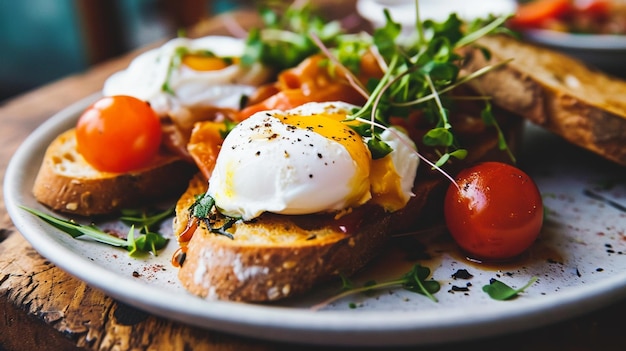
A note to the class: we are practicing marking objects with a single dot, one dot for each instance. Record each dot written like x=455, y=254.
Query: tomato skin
x=118, y=134
x=495, y=213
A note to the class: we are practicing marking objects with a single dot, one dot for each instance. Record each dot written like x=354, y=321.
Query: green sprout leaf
x=497, y=290
x=420, y=72
x=438, y=137
x=378, y=148
x=146, y=220
x=416, y=280
x=284, y=41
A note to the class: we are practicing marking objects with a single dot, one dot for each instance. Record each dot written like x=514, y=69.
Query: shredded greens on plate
x=147, y=240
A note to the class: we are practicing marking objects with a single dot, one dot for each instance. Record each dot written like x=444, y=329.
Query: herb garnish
x=497, y=290
x=414, y=280
x=202, y=210
x=284, y=41
x=149, y=241
x=419, y=73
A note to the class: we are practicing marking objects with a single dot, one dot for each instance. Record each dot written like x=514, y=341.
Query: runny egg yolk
x=206, y=63
x=330, y=126
x=386, y=184
x=384, y=181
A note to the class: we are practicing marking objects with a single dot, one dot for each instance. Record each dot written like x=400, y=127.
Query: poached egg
x=185, y=73
x=308, y=160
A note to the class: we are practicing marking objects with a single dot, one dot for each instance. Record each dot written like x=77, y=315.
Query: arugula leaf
x=497, y=290
x=149, y=242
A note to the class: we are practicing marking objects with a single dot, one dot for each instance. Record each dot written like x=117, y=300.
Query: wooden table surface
x=43, y=308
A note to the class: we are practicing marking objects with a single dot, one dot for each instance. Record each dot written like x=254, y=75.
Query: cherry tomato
x=118, y=134
x=495, y=213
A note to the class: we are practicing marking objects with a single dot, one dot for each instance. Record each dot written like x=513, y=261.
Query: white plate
x=602, y=51
x=403, y=11
x=578, y=259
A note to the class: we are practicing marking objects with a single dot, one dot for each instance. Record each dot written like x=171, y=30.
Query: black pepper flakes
x=462, y=274
x=459, y=288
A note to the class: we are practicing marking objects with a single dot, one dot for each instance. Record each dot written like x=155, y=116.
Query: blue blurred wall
x=40, y=40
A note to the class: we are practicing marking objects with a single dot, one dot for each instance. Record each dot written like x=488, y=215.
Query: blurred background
x=44, y=40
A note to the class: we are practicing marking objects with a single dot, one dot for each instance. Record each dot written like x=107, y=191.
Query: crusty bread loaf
x=274, y=256
x=67, y=183
x=582, y=105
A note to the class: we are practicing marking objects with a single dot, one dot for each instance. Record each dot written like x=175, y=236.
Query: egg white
x=146, y=74
x=267, y=166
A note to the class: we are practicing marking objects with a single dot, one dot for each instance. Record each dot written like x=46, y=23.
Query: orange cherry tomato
x=118, y=134
x=495, y=213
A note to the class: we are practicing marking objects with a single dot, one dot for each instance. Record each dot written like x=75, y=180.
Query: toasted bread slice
x=67, y=183
x=275, y=256
x=582, y=105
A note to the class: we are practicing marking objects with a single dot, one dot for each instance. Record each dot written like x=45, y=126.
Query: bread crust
x=67, y=183
x=563, y=95
x=276, y=256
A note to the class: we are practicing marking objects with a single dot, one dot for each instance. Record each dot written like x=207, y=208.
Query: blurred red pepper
x=595, y=8
x=534, y=13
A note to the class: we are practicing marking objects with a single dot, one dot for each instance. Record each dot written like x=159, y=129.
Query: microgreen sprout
x=418, y=74
x=497, y=290
x=416, y=280
x=147, y=242
x=284, y=41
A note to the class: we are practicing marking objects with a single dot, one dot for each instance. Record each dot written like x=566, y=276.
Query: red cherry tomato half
x=118, y=134
x=495, y=213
